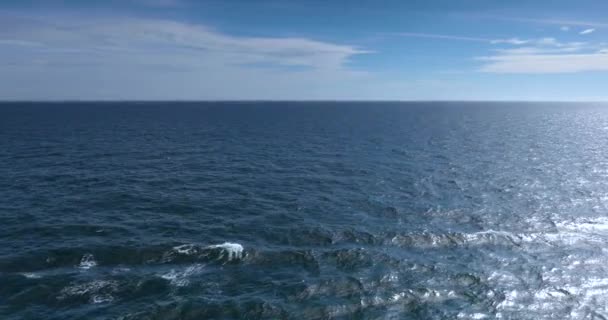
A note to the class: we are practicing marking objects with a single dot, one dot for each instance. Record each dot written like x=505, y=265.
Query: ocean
x=303, y=210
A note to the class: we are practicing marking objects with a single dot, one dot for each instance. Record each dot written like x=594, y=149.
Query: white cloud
x=533, y=46
x=440, y=36
x=513, y=41
x=13, y=42
x=574, y=47
x=542, y=45
x=542, y=42
x=128, y=38
x=548, y=42
x=564, y=28
x=580, y=23
x=587, y=31
x=545, y=63
x=547, y=55
x=87, y=57
x=538, y=45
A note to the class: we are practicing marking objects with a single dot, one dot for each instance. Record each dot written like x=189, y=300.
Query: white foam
x=102, y=298
x=187, y=249
x=597, y=225
x=98, y=289
x=180, y=279
x=87, y=261
x=119, y=270
x=475, y=316
x=233, y=250
x=31, y=275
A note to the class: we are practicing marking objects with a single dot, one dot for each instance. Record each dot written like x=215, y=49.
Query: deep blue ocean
x=298, y=210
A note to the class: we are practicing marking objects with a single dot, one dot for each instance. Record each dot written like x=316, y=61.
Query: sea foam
x=87, y=261
x=234, y=251
x=31, y=275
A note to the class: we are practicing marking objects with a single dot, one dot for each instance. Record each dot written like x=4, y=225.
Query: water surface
x=303, y=211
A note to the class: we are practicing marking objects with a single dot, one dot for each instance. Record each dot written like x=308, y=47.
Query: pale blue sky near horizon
x=303, y=50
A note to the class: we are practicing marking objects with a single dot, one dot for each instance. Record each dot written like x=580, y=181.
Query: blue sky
x=277, y=49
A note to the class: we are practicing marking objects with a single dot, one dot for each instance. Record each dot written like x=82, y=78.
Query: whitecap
x=186, y=249
x=597, y=225
x=234, y=251
x=87, y=261
x=475, y=316
x=227, y=250
x=31, y=275
x=102, y=298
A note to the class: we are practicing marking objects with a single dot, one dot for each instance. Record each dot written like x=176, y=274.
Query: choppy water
x=303, y=211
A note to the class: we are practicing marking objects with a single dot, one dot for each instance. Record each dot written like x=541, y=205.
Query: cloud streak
x=547, y=56
x=545, y=63
x=541, y=42
x=160, y=3
x=565, y=22
x=57, y=57
x=533, y=56
x=159, y=38
x=513, y=41
x=440, y=36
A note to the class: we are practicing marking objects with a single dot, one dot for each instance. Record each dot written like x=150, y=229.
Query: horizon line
x=292, y=100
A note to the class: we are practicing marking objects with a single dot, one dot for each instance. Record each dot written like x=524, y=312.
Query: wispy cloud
x=545, y=63
x=545, y=45
x=534, y=56
x=55, y=57
x=440, y=36
x=540, y=42
x=513, y=41
x=161, y=3
x=564, y=28
x=541, y=50
x=561, y=22
x=13, y=42
x=587, y=31
x=547, y=55
x=159, y=38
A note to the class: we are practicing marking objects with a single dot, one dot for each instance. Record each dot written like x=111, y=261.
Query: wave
x=234, y=251
x=87, y=261
x=227, y=251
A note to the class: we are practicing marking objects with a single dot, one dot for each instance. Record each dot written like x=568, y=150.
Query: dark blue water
x=303, y=211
